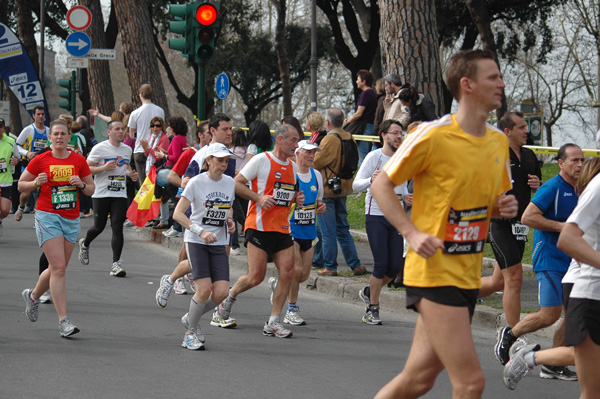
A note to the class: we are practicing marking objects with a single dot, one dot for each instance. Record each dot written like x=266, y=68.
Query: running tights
x=117, y=208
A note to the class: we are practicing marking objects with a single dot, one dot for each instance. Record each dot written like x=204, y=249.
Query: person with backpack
x=337, y=162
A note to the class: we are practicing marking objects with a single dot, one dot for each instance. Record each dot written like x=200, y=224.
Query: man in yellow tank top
x=460, y=166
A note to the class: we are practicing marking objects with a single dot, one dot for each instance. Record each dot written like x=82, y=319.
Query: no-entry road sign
x=79, y=18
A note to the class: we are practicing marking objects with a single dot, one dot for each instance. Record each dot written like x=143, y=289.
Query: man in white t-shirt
x=139, y=126
x=109, y=161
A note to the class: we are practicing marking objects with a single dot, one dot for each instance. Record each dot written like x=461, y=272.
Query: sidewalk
x=488, y=313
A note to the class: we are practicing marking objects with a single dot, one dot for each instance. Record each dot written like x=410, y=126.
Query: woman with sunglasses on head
x=59, y=173
x=155, y=150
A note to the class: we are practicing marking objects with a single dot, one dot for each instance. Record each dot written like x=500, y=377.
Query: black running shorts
x=508, y=251
x=449, y=295
x=269, y=241
x=583, y=318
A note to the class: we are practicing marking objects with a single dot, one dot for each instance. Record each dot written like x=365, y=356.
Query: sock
x=367, y=291
x=231, y=297
x=31, y=297
x=209, y=306
x=273, y=319
x=194, y=314
x=169, y=281
x=511, y=336
x=374, y=305
x=530, y=360
x=292, y=306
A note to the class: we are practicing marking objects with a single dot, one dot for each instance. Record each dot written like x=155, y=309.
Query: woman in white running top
x=207, y=232
x=580, y=238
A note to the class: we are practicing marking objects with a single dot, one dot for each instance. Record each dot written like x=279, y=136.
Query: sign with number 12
x=17, y=70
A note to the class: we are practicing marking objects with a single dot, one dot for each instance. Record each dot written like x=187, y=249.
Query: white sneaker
x=180, y=287
x=163, y=292
x=188, y=277
x=234, y=251
x=167, y=232
x=117, y=270
x=128, y=223
x=191, y=341
x=46, y=297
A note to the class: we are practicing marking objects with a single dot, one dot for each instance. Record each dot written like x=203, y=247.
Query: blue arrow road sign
x=78, y=44
x=222, y=85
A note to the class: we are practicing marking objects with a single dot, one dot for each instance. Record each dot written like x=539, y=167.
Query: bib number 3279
x=466, y=231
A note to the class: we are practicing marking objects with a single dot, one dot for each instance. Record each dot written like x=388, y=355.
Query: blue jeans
x=365, y=146
x=336, y=229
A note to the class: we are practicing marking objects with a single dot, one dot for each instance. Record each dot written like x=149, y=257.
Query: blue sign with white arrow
x=222, y=85
x=78, y=44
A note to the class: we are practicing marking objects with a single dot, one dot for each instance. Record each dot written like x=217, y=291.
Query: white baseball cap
x=307, y=145
x=218, y=150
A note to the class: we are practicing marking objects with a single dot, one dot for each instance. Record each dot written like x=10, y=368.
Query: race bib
x=306, y=216
x=215, y=212
x=520, y=231
x=283, y=193
x=116, y=183
x=3, y=165
x=466, y=231
x=64, y=197
x=39, y=144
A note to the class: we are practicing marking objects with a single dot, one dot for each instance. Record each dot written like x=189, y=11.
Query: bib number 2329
x=466, y=231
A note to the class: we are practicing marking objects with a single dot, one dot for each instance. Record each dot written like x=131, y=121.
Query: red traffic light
x=207, y=14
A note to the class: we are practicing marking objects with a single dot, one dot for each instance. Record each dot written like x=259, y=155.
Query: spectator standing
x=334, y=222
x=361, y=123
x=315, y=124
x=394, y=109
x=155, y=150
x=259, y=138
x=420, y=107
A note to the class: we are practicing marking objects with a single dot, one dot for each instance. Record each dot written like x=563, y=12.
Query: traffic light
x=208, y=22
x=68, y=94
x=182, y=25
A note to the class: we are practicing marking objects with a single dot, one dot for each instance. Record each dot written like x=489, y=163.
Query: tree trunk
x=139, y=56
x=282, y=57
x=26, y=33
x=98, y=73
x=481, y=18
x=413, y=53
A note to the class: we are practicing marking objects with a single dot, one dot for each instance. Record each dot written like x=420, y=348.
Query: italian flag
x=145, y=205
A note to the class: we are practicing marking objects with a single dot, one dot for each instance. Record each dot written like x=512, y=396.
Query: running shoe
x=372, y=316
x=517, y=368
x=503, y=344
x=186, y=323
x=19, y=214
x=46, y=297
x=87, y=214
x=293, y=317
x=191, y=282
x=224, y=308
x=519, y=343
x=128, y=223
x=276, y=330
x=192, y=342
x=218, y=321
x=168, y=233
x=66, y=328
x=272, y=285
x=31, y=306
x=180, y=287
x=163, y=292
x=117, y=270
x=364, y=297
x=84, y=253
x=234, y=251
x=558, y=372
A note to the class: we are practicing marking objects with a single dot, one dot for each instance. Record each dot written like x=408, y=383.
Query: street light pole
x=314, y=61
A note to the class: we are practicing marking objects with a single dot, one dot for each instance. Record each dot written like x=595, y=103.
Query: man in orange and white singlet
x=272, y=178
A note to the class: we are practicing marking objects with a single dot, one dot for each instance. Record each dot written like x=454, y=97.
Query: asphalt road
x=130, y=348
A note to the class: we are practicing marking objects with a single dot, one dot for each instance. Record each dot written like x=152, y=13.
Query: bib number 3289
x=466, y=231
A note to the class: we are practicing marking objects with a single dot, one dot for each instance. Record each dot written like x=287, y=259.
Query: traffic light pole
x=201, y=90
x=74, y=94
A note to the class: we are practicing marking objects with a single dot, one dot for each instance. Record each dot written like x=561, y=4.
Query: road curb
x=348, y=287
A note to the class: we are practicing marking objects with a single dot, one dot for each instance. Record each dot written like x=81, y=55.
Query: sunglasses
x=155, y=125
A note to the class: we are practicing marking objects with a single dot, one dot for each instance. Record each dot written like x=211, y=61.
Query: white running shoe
x=517, y=368
x=219, y=321
x=66, y=328
x=192, y=342
x=234, y=251
x=117, y=270
x=292, y=317
x=276, y=330
x=188, y=277
x=163, y=291
x=180, y=287
x=84, y=253
x=31, y=306
x=272, y=285
x=46, y=297
x=186, y=323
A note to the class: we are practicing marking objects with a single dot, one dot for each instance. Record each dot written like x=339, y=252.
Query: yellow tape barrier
x=554, y=151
